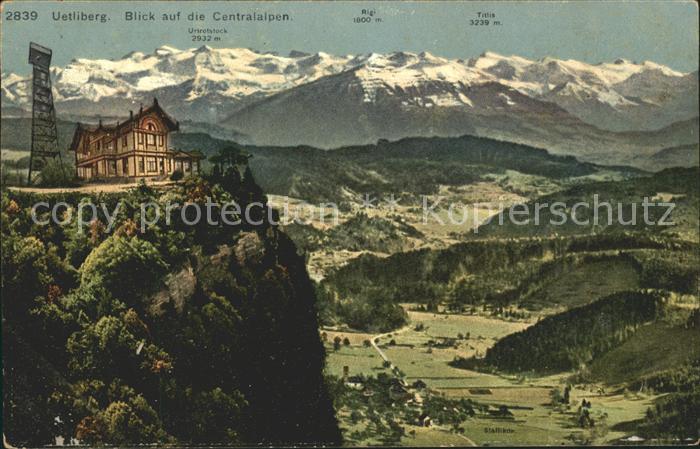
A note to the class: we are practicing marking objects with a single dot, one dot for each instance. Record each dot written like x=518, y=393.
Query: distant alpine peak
x=662, y=68
x=165, y=50
x=298, y=54
x=204, y=48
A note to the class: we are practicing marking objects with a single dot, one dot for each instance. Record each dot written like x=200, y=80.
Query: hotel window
x=99, y=145
x=124, y=141
x=161, y=140
x=140, y=137
x=141, y=170
x=150, y=137
x=151, y=164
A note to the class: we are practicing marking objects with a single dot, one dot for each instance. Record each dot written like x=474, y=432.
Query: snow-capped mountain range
x=231, y=78
x=370, y=95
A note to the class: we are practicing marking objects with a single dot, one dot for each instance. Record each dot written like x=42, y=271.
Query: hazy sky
x=665, y=31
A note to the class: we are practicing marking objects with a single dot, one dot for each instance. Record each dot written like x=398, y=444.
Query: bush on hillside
x=57, y=174
x=177, y=175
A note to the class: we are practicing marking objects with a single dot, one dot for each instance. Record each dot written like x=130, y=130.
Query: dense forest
x=570, y=339
x=676, y=414
x=502, y=272
x=169, y=334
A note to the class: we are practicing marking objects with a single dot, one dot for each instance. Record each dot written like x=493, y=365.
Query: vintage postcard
x=351, y=223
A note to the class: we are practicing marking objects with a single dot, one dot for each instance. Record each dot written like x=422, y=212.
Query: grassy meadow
x=535, y=421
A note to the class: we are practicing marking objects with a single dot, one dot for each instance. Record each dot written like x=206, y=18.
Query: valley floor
x=417, y=353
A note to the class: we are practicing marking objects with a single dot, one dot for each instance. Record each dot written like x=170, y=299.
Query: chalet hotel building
x=135, y=148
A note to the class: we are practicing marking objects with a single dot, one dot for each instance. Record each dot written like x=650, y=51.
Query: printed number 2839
x=21, y=15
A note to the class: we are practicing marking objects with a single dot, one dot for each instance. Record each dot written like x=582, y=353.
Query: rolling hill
x=570, y=339
x=680, y=186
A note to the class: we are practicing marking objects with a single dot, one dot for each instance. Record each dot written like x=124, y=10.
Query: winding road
x=384, y=335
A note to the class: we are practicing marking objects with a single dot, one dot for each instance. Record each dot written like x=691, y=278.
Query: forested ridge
x=179, y=334
x=616, y=200
x=496, y=273
x=410, y=166
x=571, y=339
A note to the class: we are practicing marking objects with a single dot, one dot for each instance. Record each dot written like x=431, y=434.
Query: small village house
x=137, y=147
x=424, y=420
x=355, y=382
x=398, y=392
x=419, y=385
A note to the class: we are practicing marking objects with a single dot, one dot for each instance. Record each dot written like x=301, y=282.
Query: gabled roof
x=172, y=124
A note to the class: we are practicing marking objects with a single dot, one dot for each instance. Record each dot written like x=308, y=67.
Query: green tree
x=57, y=174
x=129, y=267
